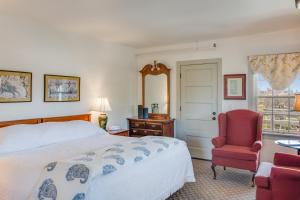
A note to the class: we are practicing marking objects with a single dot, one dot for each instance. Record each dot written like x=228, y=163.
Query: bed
x=154, y=178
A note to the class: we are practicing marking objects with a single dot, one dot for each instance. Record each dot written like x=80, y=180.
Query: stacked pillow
x=21, y=137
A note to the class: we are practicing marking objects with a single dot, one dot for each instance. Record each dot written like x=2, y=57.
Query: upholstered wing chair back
x=240, y=127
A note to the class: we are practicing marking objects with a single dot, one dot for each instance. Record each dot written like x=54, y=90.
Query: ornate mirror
x=156, y=90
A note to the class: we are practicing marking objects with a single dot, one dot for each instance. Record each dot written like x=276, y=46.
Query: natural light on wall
x=279, y=107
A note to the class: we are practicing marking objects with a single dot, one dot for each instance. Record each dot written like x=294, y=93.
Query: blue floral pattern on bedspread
x=51, y=166
x=69, y=179
x=79, y=171
x=79, y=196
x=47, y=190
x=118, y=159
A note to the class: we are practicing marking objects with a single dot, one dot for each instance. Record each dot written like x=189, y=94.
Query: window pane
x=277, y=107
x=264, y=105
x=263, y=87
x=281, y=123
x=280, y=106
x=267, y=123
x=292, y=103
x=281, y=92
x=295, y=124
x=295, y=87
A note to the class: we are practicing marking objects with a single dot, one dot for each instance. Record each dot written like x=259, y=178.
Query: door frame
x=217, y=61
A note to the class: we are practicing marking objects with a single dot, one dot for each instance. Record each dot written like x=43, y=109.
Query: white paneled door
x=199, y=107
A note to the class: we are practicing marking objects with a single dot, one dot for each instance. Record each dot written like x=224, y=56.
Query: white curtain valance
x=280, y=70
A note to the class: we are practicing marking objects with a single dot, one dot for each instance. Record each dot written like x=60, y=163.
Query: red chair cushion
x=235, y=152
x=241, y=127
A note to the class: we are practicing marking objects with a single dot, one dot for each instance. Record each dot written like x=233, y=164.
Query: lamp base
x=102, y=119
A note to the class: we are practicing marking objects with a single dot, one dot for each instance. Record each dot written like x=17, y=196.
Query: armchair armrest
x=285, y=174
x=282, y=159
x=257, y=145
x=218, y=141
x=285, y=183
x=262, y=177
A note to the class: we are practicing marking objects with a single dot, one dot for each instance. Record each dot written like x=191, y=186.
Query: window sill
x=280, y=135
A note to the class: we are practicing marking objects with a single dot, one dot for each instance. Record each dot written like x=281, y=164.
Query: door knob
x=214, y=113
x=214, y=118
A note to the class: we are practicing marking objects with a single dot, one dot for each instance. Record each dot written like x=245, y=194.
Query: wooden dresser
x=156, y=127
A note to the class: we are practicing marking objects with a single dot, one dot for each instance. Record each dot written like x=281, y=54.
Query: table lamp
x=297, y=102
x=103, y=105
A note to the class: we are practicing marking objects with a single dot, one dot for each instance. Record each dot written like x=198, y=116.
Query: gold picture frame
x=15, y=86
x=59, y=88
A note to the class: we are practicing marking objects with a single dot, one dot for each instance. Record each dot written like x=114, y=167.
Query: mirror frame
x=157, y=69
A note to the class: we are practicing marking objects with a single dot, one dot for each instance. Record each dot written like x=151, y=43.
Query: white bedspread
x=152, y=179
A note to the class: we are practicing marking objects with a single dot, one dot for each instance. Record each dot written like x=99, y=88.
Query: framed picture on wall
x=59, y=88
x=15, y=86
x=235, y=86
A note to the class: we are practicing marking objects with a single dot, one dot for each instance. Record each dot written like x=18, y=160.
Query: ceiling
x=148, y=23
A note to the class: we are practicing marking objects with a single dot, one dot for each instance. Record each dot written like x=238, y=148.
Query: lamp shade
x=103, y=104
x=297, y=102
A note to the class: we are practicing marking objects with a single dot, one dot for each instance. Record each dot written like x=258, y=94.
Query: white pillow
x=21, y=137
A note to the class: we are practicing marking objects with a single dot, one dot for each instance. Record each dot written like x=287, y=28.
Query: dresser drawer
x=154, y=126
x=141, y=132
x=136, y=124
x=144, y=132
x=155, y=133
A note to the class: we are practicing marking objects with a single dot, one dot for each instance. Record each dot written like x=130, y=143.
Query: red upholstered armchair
x=239, y=141
x=280, y=181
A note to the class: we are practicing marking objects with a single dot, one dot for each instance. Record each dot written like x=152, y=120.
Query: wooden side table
x=122, y=132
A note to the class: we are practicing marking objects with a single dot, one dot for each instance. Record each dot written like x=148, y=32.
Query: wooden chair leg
x=214, y=170
x=253, y=178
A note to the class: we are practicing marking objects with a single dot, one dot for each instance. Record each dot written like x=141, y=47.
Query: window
x=277, y=107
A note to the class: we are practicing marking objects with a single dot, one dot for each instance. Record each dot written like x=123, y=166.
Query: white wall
x=105, y=69
x=233, y=52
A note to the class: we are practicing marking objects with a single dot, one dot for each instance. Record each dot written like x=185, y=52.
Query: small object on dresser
x=155, y=108
x=145, y=113
x=121, y=132
x=140, y=111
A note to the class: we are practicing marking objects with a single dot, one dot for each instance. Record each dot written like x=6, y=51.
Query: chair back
x=242, y=127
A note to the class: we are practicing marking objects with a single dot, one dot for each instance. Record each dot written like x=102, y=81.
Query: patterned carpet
x=231, y=184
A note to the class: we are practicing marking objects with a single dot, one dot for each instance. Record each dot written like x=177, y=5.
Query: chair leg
x=253, y=178
x=224, y=168
x=214, y=170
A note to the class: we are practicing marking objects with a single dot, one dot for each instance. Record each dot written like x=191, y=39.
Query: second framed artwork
x=61, y=88
x=235, y=86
